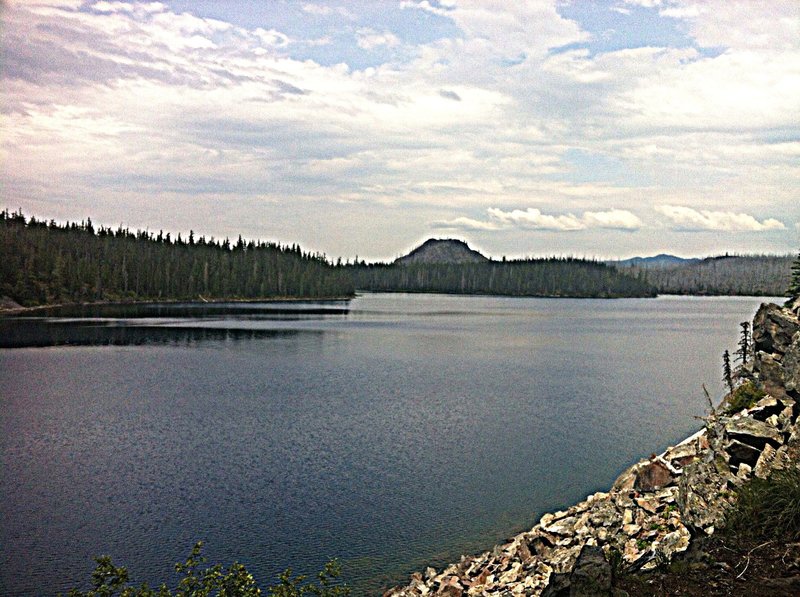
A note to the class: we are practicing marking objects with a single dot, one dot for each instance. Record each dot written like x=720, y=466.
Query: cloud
x=369, y=39
x=479, y=105
x=686, y=218
x=618, y=219
x=533, y=219
x=463, y=223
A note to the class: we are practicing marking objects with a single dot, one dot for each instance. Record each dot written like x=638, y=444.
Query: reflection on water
x=159, y=323
x=38, y=333
x=193, y=310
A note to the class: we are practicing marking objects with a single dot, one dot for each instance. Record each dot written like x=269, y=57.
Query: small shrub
x=768, y=509
x=745, y=396
x=112, y=581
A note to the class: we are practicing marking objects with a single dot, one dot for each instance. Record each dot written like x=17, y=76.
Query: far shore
x=18, y=309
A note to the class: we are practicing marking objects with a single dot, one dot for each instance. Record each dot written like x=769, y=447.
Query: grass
x=768, y=509
x=745, y=396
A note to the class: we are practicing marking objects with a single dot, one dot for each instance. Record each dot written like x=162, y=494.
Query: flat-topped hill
x=447, y=250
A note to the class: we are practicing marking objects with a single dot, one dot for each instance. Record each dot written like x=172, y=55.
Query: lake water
x=390, y=432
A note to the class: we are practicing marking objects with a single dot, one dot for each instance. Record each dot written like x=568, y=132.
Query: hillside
x=45, y=263
x=447, y=250
x=751, y=275
x=660, y=260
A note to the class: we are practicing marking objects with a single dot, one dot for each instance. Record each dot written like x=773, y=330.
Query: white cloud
x=109, y=104
x=317, y=9
x=619, y=219
x=463, y=223
x=686, y=218
x=533, y=219
x=369, y=39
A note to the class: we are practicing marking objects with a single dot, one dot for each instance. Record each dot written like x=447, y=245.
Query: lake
x=391, y=431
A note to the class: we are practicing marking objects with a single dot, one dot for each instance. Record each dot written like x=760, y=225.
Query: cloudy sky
x=607, y=129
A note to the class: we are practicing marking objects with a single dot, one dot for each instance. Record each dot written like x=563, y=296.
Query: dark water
x=390, y=432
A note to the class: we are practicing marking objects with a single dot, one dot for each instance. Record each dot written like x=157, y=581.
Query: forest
x=551, y=277
x=49, y=263
x=745, y=275
x=43, y=263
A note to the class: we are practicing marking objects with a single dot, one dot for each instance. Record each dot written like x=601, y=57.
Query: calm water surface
x=391, y=432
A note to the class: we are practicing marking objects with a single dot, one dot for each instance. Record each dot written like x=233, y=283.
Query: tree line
x=550, y=277
x=48, y=263
x=745, y=275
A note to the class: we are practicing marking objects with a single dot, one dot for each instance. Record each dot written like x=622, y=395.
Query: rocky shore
x=658, y=506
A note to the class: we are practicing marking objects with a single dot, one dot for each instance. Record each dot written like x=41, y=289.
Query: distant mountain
x=660, y=260
x=448, y=250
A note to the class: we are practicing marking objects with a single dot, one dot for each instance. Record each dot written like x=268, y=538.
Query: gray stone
x=770, y=374
x=752, y=432
x=773, y=328
x=592, y=573
x=590, y=577
x=791, y=365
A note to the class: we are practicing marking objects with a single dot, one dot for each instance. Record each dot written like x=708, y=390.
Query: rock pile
x=657, y=505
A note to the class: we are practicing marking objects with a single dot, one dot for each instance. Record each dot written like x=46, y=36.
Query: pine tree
x=727, y=374
x=745, y=340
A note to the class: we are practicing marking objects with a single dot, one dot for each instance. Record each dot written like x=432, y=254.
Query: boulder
x=590, y=577
x=770, y=374
x=773, y=328
x=653, y=475
x=791, y=365
x=752, y=432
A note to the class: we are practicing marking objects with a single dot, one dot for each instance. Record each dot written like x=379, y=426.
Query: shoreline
x=214, y=301
x=657, y=507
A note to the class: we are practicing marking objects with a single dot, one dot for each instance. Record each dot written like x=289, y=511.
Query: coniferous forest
x=551, y=277
x=48, y=263
x=743, y=275
x=44, y=263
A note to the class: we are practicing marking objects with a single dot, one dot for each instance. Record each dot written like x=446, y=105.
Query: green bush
x=109, y=581
x=768, y=509
x=745, y=396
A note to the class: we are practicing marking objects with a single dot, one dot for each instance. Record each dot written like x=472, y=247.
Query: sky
x=360, y=129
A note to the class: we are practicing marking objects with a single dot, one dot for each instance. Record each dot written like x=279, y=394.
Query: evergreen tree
x=744, y=351
x=727, y=373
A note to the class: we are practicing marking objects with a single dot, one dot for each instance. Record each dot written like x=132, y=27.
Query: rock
x=765, y=408
x=653, y=475
x=649, y=504
x=590, y=577
x=558, y=585
x=791, y=365
x=773, y=328
x=592, y=573
x=770, y=374
x=742, y=454
x=675, y=542
x=564, y=526
x=764, y=465
x=752, y=432
x=450, y=591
